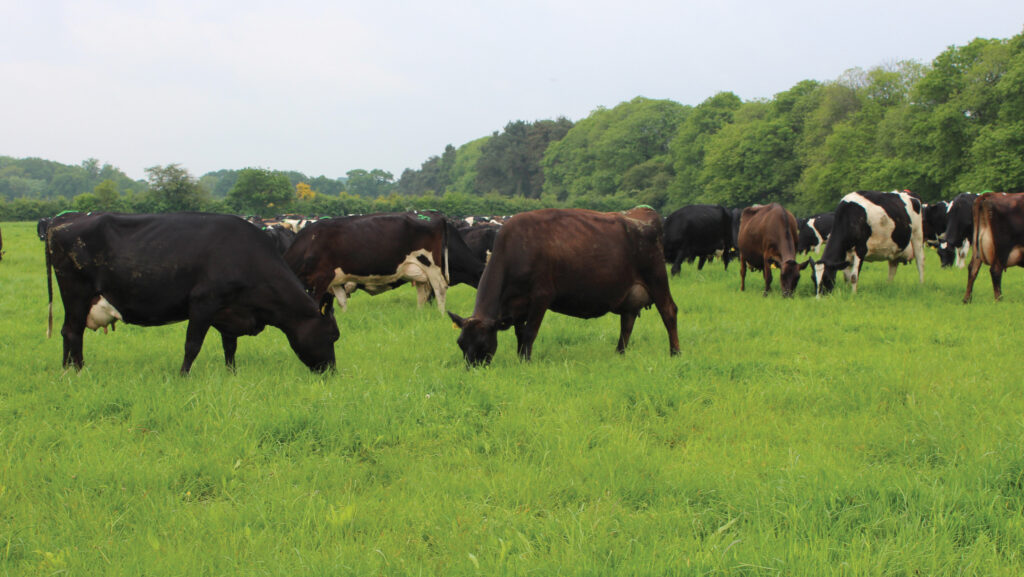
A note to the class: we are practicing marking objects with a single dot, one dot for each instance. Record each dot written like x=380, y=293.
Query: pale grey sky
x=324, y=87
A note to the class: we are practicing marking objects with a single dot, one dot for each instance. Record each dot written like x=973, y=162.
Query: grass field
x=880, y=433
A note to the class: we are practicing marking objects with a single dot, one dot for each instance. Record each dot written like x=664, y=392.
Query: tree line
x=953, y=125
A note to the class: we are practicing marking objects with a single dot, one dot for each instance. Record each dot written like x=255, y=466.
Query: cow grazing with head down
x=956, y=243
x=211, y=270
x=812, y=233
x=701, y=231
x=576, y=262
x=934, y=217
x=998, y=238
x=871, y=225
x=379, y=252
x=767, y=237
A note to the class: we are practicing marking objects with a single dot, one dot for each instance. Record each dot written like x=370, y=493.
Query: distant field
x=880, y=433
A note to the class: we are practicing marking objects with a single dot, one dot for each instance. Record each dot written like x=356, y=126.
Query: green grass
x=880, y=433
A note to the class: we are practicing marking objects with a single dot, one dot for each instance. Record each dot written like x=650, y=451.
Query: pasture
x=880, y=433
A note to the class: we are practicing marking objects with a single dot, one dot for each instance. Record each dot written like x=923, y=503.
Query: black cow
x=959, y=228
x=998, y=237
x=767, y=237
x=812, y=233
x=871, y=225
x=480, y=239
x=211, y=270
x=282, y=237
x=379, y=252
x=700, y=231
x=576, y=262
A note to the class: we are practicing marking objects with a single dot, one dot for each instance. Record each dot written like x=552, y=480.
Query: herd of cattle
x=222, y=272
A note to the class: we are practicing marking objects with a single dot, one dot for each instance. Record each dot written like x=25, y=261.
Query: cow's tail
x=49, y=290
x=444, y=248
x=979, y=217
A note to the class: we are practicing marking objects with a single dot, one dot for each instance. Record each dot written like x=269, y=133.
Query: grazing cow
x=209, y=269
x=700, y=231
x=575, y=262
x=998, y=237
x=933, y=222
x=812, y=233
x=378, y=252
x=768, y=236
x=872, y=226
x=480, y=239
x=959, y=228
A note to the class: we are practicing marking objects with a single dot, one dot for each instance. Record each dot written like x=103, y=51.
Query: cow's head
x=313, y=340
x=478, y=339
x=947, y=254
x=791, y=275
x=824, y=275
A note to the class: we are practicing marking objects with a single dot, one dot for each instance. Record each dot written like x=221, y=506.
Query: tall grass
x=871, y=434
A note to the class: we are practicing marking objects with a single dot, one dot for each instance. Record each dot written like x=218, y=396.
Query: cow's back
x=569, y=252
x=149, y=266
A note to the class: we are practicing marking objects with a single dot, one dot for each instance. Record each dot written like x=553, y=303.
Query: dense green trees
x=953, y=125
x=261, y=192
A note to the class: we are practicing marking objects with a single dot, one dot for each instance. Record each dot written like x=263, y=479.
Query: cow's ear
x=459, y=321
x=839, y=265
x=806, y=263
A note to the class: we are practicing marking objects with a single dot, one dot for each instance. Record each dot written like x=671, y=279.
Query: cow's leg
x=743, y=273
x=893, y=265
x=73, y=333
x=700, y=262
x=526, y=331
x=422, y=293
x=919, y=257
x=230, y=343
x=677, y=263
x=195, y=334
x=972, y=273
x=996, y=270
x=626, y=321
x=658, y=289
x=767, y=278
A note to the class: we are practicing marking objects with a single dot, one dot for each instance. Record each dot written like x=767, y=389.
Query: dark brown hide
x=576, y=262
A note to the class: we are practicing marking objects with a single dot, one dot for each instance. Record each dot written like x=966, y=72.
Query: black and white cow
x=871, y=225
x=813, y=232
x=933, y=222
x=956, y=243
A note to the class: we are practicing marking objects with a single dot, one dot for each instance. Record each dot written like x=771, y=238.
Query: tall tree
x=172, y=188
x=261, y=192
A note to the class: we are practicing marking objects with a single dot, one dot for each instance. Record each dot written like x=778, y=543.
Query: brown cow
x=378, y=252
x=768, y=236
x=576, y=262
x=998, y=237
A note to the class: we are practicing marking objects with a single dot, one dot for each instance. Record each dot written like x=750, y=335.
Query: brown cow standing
x=768, y=235
x=576, y=262
x=378, y=252
x=998, y=237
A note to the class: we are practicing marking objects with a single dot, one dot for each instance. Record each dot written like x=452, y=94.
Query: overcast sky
x=324, y=87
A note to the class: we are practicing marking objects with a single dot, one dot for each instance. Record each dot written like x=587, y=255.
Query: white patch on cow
x=101, y=314
x=819, y=273
x=817, y=235
x=426, y=278
x=961, y=253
